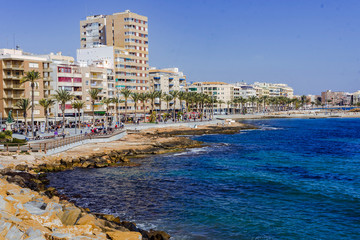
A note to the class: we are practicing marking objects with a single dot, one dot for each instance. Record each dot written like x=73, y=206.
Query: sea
x=290, y=179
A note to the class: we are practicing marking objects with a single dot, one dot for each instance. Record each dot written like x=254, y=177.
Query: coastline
x=29, y=171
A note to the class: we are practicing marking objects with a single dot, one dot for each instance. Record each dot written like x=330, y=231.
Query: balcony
x=47, y=70
x=47, y=79
x=18, y=96
x=13, y=77
x=13, y=67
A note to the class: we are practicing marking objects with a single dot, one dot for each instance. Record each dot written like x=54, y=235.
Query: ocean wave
x=193, y=151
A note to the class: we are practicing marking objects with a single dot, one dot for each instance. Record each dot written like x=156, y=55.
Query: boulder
x=124, y=235
x=14, y=233
x=158, y=235
x=70, y=215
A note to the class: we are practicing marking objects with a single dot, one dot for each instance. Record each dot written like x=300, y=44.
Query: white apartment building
x=243, y=90
x=273, y=90
x=167, y=80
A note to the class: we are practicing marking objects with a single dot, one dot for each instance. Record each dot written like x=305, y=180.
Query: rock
x=116, y=235
x=158, y=235
x=4, y=226
x=70, y=215
x=88, y=219
x=35, y=207
x=21, y=167
x=34, y=234
x=14, y=233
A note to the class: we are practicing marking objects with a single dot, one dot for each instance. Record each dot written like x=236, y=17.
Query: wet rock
x=21, y=167
x=158, y=235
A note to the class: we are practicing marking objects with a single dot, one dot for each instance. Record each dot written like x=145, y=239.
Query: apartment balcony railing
x=14, y=67
x=13, y=77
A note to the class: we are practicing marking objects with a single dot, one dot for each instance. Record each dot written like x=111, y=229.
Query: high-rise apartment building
x=121, y=41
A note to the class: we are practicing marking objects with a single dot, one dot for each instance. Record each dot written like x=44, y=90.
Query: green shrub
x=16, y=140
x=8, y=133
x=2, y=135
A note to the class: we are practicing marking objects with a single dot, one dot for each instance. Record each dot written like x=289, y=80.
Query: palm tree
x=116, y=100
x=174, y=94
x=126, y=93
x=94, y=94
x=228, y=103
x=242, y=101
x=107, y=102
x=152, y=95
x=143, y=97
x=78, y=105
x=24, y=105
x=136, y=97
x=31, y=77
x=182, y=97
x=252, y=99
x=167, y=98
x=220, y=102
x=46, y=104
x=62, y=96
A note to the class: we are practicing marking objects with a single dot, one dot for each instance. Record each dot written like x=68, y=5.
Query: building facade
x=167, y=80
x=14, y=64
x=119, y=41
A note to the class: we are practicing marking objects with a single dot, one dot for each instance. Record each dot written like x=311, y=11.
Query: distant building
x=243, y=90
x=336, y=98
x=356, y=97
x=273, y=90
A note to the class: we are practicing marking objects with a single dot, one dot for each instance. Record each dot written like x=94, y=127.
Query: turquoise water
x=292, y=179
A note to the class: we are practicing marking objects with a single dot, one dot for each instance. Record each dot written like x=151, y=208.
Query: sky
x=310, y=45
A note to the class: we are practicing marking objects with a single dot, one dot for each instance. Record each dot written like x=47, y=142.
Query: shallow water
x=292, y=179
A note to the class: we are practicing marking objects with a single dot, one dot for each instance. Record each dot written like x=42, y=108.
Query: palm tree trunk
x=125, y=110
x=46, y=121
x=26, y=130
x=174, y=110
x=93, y=112
x=144, y=111
x=32, y=108
x=79, y=119
x=117, y=114
x=135, y=112
x=63, y=113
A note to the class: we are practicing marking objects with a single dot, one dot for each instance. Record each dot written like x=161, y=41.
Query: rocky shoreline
x=32, y=175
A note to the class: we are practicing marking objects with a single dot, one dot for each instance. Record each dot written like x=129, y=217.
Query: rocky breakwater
x=225, y=128
x=27, y=214
x=32, y=210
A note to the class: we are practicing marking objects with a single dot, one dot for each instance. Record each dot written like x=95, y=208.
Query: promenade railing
x=47, y=145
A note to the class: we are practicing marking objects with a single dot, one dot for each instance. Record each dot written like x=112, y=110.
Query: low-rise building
x=167, y=80
x=14, y=64
x=336, y=98
x=273, y=89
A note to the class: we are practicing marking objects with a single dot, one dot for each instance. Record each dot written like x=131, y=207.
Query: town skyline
x=254, y=44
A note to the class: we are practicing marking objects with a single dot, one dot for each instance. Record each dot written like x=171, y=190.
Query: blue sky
x=310, y=45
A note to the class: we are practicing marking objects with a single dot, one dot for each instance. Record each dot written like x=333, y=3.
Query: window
x=77, y=80
x=64, y=79
x=36, y=112
x=33, y=65
x=64, y=69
